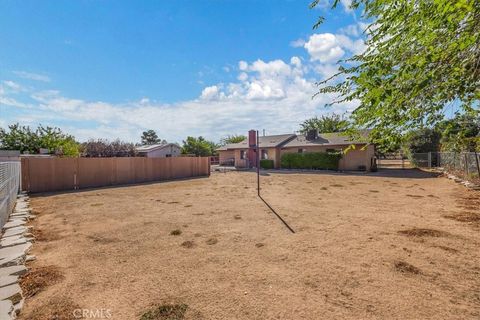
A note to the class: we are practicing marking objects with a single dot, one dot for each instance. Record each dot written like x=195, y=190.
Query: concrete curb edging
x=15, y=243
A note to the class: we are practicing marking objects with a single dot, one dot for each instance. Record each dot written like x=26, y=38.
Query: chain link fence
x=463, y=164
x=9, y=187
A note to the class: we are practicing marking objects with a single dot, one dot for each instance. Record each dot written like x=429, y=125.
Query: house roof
x=324, y=139
x=152, y=147
x=298, y=140
x=264, y=142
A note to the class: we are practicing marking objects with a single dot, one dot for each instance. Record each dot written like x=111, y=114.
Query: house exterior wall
x=225, y=155
x=173, y=150
x=240, y=163
x=351, y=160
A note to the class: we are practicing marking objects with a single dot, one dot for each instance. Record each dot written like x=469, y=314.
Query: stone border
x=466, y=183
x=15, y=243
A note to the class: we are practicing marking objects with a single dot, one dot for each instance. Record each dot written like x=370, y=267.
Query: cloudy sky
x=111, y=69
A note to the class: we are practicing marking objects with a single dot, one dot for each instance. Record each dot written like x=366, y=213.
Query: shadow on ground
x=381, y=173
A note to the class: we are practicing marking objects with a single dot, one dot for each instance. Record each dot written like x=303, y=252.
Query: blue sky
x=114, y=68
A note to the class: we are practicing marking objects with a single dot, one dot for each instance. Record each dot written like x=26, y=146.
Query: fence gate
x=393, y=161
x=9, y=187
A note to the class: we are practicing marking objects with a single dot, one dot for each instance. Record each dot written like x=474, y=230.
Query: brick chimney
x=252, y=145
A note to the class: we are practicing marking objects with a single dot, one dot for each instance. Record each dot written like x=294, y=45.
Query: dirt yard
x=367, y=246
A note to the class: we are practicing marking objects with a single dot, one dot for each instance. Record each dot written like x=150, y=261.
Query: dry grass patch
x=37, y=279
x=188, y=244
x=405, y=267
x=56, y=308
x=465, y=217
x=212, y=241
x=45, y=235
x=424, y=232
x=176, y=232
x=166, y=312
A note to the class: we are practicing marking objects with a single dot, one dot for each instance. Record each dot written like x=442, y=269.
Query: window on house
x=242, y=154
x=264, y=154
x=302, y=150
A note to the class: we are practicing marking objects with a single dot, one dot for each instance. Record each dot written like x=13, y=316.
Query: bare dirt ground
x=392, y=245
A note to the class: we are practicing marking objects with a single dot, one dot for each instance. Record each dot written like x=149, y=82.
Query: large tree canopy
x=232, y=139
x=150, y=137
x=324, y=124
x=199, y=147
x=422, y=58
x=26, y=140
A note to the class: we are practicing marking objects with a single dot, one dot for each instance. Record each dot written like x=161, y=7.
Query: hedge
x=266, y=164
x=311, y=160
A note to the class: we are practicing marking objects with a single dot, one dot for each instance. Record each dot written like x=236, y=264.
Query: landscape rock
x=6, y=308
x=11, y=241
x=8, y=280
x=14, y=223
x=12, y=292
x=13, y=270
x=15, y=231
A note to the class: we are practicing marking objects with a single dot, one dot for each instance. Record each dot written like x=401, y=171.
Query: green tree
x=234, y=138
x=324, y=124
x=421, y=57
x=199, y=147
x=462, y=133
x=423, y=140
x=24, y=139
x=150, y=137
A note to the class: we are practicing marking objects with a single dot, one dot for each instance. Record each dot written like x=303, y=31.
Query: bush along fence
x=57, y=174
x=311, y=160
x=459, y=166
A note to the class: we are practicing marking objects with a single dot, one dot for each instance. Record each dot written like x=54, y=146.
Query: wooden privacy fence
x=57, y=174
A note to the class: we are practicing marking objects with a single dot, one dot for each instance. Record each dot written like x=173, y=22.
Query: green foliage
x=462, y=133
x=150, y=137
x=232, y=139
x=311, y=160
x=421, y=58
x=199, y=147
x=266, y=164
x=324, y=124
x=423, y=140
x=25, y=139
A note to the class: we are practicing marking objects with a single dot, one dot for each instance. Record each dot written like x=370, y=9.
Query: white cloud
x=274, y=95
x=297, y=43
x=210, y=93
x=32, y=76
x=242, y=65
x=324, y=47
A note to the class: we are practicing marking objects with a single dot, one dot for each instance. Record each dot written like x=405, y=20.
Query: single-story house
x=360, y=157
x=164, y=150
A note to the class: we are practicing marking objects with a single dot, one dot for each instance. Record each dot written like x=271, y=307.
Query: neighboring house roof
x=294, y=140
x=332, y=139
x=153, y=147
x=264, y=141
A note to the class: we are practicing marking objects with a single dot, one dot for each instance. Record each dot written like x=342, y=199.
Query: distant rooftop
x=151, y=147
x=297, y=140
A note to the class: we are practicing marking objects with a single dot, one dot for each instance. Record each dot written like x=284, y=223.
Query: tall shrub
x=311, y=160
